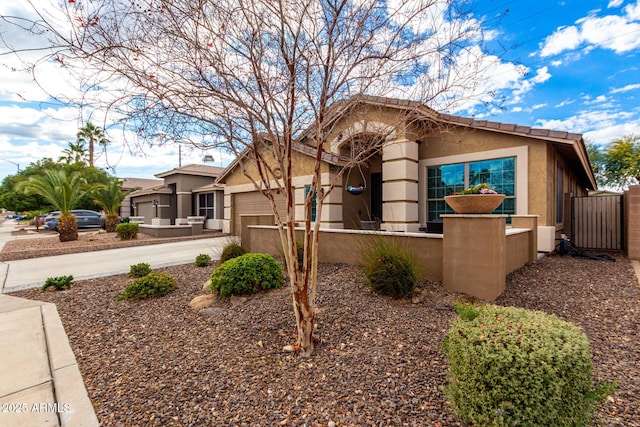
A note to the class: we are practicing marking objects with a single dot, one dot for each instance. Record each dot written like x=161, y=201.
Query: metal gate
x=597, y=222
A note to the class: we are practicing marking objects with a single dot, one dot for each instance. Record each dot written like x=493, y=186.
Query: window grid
x=445, y=180
x=307, y=188
x=206, y=206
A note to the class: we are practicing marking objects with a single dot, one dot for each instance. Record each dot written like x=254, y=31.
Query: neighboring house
x=183, y=192
x=424, y=156
x=133, y=184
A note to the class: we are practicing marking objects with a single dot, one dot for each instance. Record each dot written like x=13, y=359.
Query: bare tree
x=260, y=77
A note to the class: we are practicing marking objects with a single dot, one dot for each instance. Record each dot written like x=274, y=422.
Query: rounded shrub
x=248, y=273
x=153, y=284
x=389, y=268
x=140, y=270
x=127, y=231
x=231, y=250
x=203, y=260
x=515, y=367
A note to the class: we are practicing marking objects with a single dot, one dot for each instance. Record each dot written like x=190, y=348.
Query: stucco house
x=184, y=192
x=424, y=155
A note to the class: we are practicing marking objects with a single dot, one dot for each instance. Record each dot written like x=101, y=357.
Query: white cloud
x=611, y=133
x=565, y=103
x=614, y=32
x=565, y=38
x=597, y=125
x=615, y=3
x=633, y=11
x=626, y=88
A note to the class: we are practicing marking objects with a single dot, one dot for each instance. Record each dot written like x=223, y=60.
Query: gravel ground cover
x=48, y=244
x=379, y=363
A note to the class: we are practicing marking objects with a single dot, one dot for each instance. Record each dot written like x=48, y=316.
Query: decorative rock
x=206, y=286
x=202, y=301
x=289, y=348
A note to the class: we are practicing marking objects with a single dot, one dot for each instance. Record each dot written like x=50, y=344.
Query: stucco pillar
x=400, y=186
x=530, y=222
x=226, y=218
x=183, y=201
x=474, y=254
x=632, y=226
x=331, y=216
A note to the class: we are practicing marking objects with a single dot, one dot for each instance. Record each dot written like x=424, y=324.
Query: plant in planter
x=480, y=199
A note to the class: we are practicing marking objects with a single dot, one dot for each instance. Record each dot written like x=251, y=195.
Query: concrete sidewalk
x=41, y=382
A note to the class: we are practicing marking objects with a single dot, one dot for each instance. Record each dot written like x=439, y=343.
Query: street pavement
x=30, y=273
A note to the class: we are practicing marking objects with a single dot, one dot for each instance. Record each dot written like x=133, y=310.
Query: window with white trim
x=206, y=206
x=445, y=180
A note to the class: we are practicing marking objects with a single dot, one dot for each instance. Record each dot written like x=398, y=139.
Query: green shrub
x=248, y=273
x=127, y=231
x=153, y=284
x=58, y=283
x=140, y=270
x=231, y=250
x=516, y=367
x=203, y=260
x=389, y=268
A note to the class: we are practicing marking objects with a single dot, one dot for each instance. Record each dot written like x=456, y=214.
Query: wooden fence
x=597, y=222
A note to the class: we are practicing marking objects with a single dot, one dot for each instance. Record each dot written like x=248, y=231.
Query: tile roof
x=193, y=169
x=130, y=183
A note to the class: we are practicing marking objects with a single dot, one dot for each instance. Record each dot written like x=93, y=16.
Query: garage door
x=254, y=203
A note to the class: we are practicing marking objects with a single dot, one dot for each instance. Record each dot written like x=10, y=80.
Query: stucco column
x=530, y=222
x=183, y=200
x=332, y=207
x=474, y=254
x=632, y=208
x=226, y=217
x=400, y=186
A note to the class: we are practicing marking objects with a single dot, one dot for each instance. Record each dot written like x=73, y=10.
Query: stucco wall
x=475, y=253
x=345, y=246
x=459, y=141
x=632, y=222
x=517, y=251
x=302, y=165
x=185, y=183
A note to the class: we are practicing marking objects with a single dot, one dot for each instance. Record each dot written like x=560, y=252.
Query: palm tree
x=63, y=193
x=75, y=153
x=92, y=134
x=110, y=197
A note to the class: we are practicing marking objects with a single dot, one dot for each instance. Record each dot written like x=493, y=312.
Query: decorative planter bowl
x=474, y=203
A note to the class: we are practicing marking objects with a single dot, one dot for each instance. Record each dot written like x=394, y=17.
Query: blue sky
x=568, y=65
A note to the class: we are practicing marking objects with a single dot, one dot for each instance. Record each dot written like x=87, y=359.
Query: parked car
x=85, y=218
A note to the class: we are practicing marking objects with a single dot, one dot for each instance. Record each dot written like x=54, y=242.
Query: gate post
x=474, y=254
x=632, y=221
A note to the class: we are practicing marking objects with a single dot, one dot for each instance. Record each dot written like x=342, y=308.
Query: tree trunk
x=111, y=222
x=91, y=152
x=305, y=318
x=67, y=228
